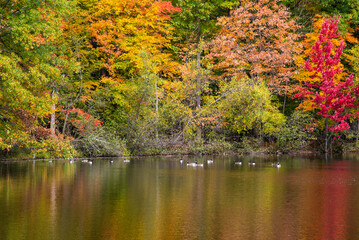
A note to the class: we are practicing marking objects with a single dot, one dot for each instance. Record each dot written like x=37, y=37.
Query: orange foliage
x=257, y=39
x=83, y=121
x=121, y=30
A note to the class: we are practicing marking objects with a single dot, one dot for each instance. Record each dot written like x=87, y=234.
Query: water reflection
x=159, y=198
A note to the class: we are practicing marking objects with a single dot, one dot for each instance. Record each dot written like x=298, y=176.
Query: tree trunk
x=198, y=80
x=156, y=109
x=65, y=122
x=326, y=136
x=284, y=101
x=53, y=117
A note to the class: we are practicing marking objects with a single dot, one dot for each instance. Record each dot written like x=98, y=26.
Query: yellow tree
x=128, y=54
x=120, y=30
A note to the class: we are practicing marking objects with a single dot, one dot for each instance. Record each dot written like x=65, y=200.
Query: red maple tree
x=332, y=99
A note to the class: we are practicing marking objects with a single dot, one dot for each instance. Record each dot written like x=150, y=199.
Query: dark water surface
x=158, y=198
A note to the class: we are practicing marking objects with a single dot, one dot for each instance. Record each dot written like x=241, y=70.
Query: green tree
x=30, y=62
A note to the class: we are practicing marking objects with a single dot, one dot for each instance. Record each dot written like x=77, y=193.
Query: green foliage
x=54, y=147
x=101, y=142
x=30, y=61
x=247, y=106
x=297, y=133
x=130, y=77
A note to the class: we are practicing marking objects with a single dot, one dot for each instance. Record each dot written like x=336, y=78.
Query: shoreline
x=252, y=153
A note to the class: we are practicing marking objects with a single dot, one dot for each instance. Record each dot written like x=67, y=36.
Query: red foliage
x=84, y=122
x=167, y=8
x=42, y=133
x=332, y=99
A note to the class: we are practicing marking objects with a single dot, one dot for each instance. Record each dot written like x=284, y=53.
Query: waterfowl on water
x=90, y=162
x=195, y=164
x=85, y=161
x=199, y=164
x=191, y=164
x=126, y=161
x=238, y=163
x=209, y=161
x=250, y=163
x=276, y=164
x=181, y=161
x=111, y=161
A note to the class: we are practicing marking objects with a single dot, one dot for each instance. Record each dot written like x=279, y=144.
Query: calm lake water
x=158, y=198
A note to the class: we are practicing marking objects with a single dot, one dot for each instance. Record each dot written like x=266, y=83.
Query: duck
x=180, y=161
x=85, y=161
x=126, y=161
x=90, y=162
x=278, y=165
x=238, y=163
x=209, y=161
x=50, y=161
x=111, y=161
x=250, y=163
x=72, y=161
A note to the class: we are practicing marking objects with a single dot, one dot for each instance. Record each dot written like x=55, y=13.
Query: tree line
x=115, y=77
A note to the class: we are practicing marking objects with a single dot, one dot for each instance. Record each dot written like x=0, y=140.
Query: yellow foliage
x=123, y=29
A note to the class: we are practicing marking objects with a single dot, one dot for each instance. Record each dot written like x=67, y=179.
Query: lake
x=308, y=197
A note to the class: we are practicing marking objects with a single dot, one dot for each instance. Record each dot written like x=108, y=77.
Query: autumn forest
x=139, y=77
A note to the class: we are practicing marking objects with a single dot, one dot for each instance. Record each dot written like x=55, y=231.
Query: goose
x=210, y=161
x=199, y=164
x=191, y=164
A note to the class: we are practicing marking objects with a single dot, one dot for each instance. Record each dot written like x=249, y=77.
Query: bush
x=101, y=142
x=296, y=134
x=56, y=146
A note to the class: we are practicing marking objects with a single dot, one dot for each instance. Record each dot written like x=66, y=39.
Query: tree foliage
x=332, y=98
x=257, y=39
x=148, y=76
x=30, y=61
